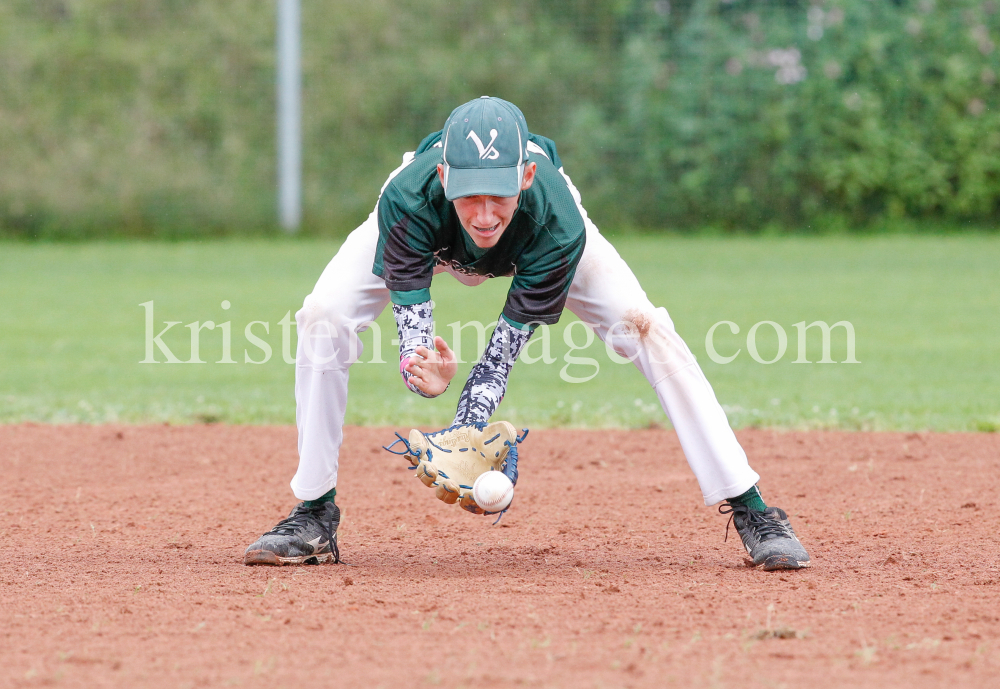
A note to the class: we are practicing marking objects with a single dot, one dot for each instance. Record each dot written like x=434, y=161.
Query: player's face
x=486, y=217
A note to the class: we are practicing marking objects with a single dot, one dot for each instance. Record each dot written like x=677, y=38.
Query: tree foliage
x=156, y=117
x=749, y=113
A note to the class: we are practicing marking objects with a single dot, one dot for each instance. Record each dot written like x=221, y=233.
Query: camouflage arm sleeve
x=415, y=325
x=487, y=381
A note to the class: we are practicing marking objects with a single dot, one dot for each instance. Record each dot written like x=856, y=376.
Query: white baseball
x=493, y=491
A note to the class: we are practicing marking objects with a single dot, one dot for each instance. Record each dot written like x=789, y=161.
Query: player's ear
x=529, y=176
x=441, y=173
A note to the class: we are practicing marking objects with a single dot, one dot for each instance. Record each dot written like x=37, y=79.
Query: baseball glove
x=452, y=459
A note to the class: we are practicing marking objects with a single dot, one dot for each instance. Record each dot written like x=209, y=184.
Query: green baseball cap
x=485, y=146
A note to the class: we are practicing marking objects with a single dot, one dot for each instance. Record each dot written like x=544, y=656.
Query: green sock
x=752, y=499
x=326, y=497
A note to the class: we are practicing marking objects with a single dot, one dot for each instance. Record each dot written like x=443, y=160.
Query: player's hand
x=430, y=372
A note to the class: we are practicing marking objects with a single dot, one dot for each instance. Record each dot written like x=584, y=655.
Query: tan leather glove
x=452, y=459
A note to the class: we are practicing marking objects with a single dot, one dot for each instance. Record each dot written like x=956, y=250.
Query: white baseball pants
x=604, y=294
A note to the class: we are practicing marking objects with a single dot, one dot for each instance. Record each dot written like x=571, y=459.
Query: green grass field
x=926, y=313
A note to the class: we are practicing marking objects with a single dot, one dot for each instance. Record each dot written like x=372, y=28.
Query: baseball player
x=483, y=198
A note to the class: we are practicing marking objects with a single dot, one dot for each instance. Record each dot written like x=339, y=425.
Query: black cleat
x=767, y=536
x=308, y=536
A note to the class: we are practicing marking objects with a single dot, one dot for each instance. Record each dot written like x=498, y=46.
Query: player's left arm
x=487, y=382
x=537, y=296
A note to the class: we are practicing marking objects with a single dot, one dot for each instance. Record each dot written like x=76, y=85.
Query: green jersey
x=540, y=248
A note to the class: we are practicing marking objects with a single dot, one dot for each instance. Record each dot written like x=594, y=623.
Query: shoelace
x=766, y=527
x=299, y=517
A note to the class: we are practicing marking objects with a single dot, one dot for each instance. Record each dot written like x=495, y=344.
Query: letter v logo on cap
x=487, y=152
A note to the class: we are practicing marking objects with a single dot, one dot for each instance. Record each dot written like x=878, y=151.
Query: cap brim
x=495, y=181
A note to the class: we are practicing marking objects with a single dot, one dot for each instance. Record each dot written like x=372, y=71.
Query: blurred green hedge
x=831, y=113
x=156, y=117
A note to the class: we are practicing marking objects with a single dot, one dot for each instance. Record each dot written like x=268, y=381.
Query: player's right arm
x=426, y=369
x=429, y=373
x=426, y=363
x=404, y=258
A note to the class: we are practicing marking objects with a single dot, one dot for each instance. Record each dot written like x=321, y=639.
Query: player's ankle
x=325, y=497
x=752, y=499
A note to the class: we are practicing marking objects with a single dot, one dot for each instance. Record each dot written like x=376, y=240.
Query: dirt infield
x=124, y=566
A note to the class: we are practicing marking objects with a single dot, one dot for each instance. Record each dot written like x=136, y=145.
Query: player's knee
x=642, y=321
x=326, y=336
x=317, y=313
x=647, y=336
